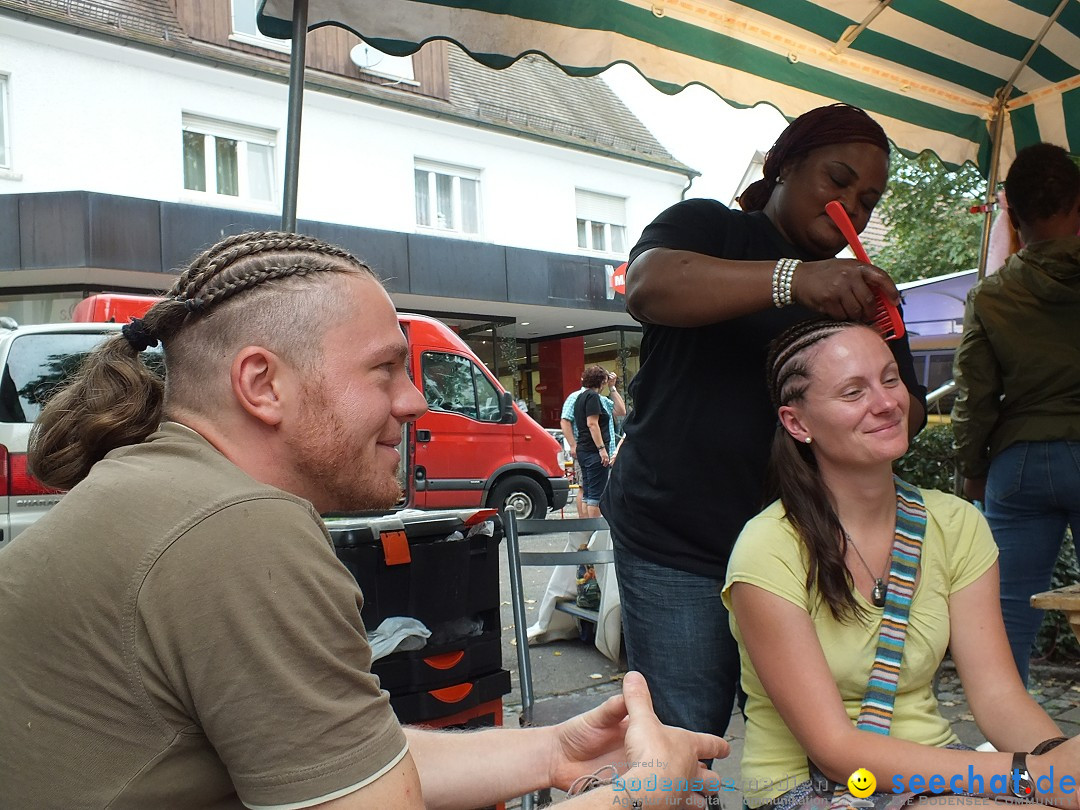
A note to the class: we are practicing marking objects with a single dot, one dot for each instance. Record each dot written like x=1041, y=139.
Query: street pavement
x=570, y=677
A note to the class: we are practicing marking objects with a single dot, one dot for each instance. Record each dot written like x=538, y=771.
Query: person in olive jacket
x=1017, y=411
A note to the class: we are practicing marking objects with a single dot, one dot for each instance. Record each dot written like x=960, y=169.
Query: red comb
x=887, y=320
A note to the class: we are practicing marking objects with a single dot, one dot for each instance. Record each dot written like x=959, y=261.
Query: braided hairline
x=230, y=287
x=230, y=250
x=786, y=360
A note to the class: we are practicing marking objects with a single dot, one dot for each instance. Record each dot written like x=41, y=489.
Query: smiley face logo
x=861, y=783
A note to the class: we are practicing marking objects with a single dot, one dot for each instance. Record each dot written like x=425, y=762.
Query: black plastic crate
x=432, y=704
x=443, y=664
x=405, y=566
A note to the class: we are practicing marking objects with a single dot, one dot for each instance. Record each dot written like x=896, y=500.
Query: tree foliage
x=926, y=209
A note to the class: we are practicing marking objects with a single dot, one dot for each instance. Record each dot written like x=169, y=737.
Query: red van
x=112, y=308
x=473, y=448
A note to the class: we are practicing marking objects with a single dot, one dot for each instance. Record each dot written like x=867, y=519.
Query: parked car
x=36, y=360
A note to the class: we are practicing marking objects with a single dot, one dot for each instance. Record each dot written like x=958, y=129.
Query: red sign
x=618, y=279
x=541, y=388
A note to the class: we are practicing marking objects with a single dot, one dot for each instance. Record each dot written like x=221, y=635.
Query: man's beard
x=325, y=458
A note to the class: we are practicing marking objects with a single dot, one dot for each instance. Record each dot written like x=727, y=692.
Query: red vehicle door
x=460, y=441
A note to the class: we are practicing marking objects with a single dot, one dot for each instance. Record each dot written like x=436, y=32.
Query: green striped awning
x=933, y=72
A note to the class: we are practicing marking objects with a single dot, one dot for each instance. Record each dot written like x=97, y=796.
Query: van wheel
x=523, y=495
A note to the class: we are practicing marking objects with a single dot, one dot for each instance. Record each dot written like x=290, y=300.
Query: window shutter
x=600, y=207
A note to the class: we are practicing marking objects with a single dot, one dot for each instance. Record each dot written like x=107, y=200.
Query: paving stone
x=1071, y=716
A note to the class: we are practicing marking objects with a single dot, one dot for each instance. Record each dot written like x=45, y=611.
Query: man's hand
x=624, y=731
x=975, y=489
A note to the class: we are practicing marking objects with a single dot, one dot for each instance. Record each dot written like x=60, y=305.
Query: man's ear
x=789, y=418
x=260, y=380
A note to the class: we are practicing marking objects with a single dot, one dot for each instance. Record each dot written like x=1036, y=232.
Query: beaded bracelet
x=781, y=282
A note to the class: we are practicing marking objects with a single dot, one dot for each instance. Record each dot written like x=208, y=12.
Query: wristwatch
x=1021, y=785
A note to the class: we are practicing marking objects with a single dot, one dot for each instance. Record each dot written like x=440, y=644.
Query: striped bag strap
x=877, y=705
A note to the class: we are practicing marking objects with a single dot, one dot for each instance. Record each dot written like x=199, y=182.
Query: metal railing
x=940, y=392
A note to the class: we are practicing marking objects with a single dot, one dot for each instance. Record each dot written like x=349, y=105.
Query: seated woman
x=847, y=545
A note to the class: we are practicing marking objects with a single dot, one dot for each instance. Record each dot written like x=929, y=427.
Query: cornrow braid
x=115, y=400
x=234, y=248
x=793, y=474
x=786, y=360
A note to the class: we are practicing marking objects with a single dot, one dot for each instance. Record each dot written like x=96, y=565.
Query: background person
x=614, y=404
x=595, y=434
x=1017, y=411
x=177, y=631
x=808, y=584
x=708, y=284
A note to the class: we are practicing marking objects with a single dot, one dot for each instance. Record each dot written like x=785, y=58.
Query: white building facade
x=117, y=119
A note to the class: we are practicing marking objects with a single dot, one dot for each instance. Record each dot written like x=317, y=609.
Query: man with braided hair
x=178, y=632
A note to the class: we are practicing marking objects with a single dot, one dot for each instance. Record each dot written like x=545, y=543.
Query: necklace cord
x=878, y=594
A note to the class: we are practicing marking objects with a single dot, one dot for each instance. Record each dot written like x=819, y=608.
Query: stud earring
x=807, y=440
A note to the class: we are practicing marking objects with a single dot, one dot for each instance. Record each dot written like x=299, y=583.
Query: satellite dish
x=364, y=56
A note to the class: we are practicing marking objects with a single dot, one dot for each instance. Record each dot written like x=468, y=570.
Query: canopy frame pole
x=1001, y=102
x=297, y=63
x=851, y=33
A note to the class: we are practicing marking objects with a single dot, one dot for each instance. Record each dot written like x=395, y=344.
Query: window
x=447, y=198
x=5, y=137
x=38, y=364
x=229, y=160
x=244, y=28
x=455, y=384
x=601, y=222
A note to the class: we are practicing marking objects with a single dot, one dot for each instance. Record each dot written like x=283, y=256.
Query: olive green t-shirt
x=957, y=549
x=176, y=634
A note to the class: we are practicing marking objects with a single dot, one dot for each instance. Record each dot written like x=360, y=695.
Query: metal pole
x=296, y=108
x=1001, y=103
x=521, y=635
x=991, y=184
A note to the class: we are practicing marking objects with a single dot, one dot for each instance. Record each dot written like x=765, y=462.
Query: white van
x=35, y=360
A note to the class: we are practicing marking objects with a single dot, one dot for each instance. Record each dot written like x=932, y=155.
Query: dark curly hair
x=593, y=376
x=1042, y=181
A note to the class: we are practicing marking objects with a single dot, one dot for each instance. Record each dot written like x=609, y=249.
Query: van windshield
x=39, y=364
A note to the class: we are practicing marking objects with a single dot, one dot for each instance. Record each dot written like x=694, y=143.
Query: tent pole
x=1001, y=101
x=853, y=31
x=297, y=62
x=991, y=183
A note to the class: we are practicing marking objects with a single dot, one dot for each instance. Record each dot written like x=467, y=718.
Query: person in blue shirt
x=613, y=403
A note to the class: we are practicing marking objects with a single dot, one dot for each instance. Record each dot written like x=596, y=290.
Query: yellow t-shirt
x=957, y=550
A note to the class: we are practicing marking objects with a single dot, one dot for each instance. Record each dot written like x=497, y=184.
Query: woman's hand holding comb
x=842, y=288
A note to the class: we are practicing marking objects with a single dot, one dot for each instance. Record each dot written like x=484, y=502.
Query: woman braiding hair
x=231, y=291
x=712, y=286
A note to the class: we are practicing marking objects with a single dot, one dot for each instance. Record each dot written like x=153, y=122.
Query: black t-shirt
x=691, y=470
x=588, y=404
